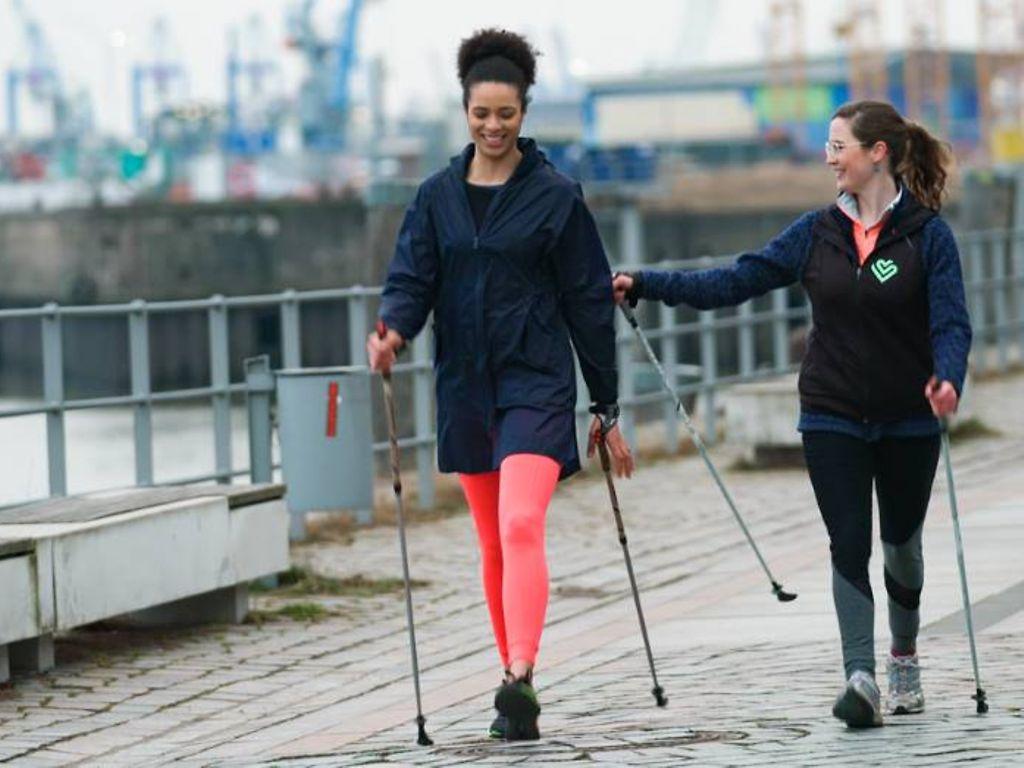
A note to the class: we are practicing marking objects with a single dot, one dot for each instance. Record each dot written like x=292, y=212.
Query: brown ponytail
x=917, y=159
x=924, y=166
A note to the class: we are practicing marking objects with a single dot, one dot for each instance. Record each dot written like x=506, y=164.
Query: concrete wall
x=165, y=252
x=161, y=252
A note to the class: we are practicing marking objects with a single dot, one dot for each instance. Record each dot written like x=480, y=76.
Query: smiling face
x=494, y=116
x=853, y=164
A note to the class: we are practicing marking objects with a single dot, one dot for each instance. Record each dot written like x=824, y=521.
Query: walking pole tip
x=982, y=702
x=422, y=739
x=782, y=595
x=659, y=696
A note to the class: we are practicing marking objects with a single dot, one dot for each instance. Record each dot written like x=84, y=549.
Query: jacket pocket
x=536, y=345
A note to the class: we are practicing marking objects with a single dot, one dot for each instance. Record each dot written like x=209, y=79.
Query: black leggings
x=842, y=470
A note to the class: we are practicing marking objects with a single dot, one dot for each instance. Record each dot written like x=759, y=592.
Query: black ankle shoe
x=517, y=702
x=499, y=728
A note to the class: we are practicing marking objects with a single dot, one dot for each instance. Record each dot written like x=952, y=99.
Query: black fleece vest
x=869, y=351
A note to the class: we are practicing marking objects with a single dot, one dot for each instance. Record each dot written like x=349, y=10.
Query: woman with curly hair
x=504, y=252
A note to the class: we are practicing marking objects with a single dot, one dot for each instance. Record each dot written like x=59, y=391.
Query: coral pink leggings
x=508, y=508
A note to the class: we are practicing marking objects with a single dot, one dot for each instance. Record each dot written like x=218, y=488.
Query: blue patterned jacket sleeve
x=947, y=307
x=410, y=288
x=778, y=264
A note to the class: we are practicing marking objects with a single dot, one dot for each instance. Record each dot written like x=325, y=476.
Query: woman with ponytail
x=504, y=252
x=886, y=359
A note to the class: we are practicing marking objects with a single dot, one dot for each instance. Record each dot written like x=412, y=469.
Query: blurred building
x=751, y=112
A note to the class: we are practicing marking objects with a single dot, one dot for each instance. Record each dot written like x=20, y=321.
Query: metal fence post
x=976, y=301
x=627, y=381
x=583, y=417
x=357, y=329
x=1018, y=289
x=53, y=393
x=780, y=330
x=291, y=331
x=421, y=401
x=709, y=373
x=138, y=355
x=220, y=380
x=631, y=249
x=746, y=338
x=1000, y=272
x=259, y=386
x=669, y=339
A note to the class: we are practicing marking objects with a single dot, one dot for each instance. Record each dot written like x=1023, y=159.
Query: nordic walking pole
x=782, y=595
x=389, y=403
x=979, y=695
x=658, y=691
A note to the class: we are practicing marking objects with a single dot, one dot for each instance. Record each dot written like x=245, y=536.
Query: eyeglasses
x=834, y=148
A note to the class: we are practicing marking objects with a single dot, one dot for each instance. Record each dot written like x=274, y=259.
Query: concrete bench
x=761, y=419
x=148, y=556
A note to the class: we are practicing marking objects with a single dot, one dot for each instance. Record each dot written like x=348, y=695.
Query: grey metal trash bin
x=326, y=441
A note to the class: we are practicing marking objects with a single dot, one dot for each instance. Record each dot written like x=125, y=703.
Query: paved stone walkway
x=749, y=680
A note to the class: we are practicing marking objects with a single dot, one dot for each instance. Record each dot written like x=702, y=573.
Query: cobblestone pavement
x=749, y=680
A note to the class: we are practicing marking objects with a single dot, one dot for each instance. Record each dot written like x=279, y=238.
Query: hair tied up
x=916, y=157
x=497, y=55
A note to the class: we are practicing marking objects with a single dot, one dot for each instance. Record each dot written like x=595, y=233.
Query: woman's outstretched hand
x=618, y=448
x=381, y=352
x=941, y=397
x=621, y=284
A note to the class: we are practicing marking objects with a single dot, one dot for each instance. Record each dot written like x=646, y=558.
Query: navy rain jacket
x=506, y=301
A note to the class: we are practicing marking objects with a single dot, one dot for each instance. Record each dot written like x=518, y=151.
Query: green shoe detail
x=498, y=728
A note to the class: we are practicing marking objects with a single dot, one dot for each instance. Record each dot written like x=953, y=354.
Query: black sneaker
x=517, y=702
x=498, y=728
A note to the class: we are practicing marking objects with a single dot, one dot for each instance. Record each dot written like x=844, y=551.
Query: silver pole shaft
x=694, y=435
x=960, y=553
x=658, y=691
x=389, y=402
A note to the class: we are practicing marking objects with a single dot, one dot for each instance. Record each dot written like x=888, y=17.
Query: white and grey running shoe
x=859, y=705
x=905, y=694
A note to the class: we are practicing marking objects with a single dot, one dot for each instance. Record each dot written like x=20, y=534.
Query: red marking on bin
x=332, y=409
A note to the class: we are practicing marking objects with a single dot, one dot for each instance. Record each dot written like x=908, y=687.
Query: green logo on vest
x=883, y=269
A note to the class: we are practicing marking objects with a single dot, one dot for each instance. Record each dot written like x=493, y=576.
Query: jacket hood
x=532, y=158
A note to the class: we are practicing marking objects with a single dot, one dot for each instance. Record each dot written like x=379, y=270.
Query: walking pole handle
x=382, y=332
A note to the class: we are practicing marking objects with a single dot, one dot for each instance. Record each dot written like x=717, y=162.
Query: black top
x=480, y=197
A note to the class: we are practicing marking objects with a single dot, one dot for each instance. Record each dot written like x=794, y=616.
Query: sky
x=97, y=41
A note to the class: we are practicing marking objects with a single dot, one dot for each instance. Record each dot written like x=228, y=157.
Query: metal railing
x=994, y=274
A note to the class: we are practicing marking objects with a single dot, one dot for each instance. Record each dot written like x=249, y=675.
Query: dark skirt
x=518, y=430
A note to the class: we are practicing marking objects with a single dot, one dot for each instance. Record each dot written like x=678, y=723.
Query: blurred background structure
x=326, y=133
x=297, y=179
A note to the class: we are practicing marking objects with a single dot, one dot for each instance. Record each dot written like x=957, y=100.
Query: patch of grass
x=306, y=612
x=972, y=429
x=298, y=580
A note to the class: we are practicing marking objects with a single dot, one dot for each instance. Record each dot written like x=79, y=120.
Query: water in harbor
x=100, y=448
